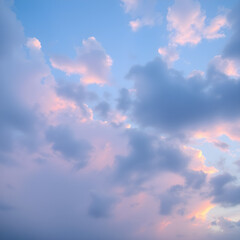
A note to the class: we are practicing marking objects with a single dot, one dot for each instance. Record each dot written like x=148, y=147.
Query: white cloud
x=92, y=63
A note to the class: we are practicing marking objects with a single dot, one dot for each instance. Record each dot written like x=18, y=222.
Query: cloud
x=34, y=43
x=77, y=93
x=221, y=145
x=232, y=49
x=227, y=225
x=167, y=100
x=68, y=145
x=11, y=30
x=226, y=66
x=100, y=206
x=147, y=157
x=195, y=179
x=186, y=23
x=92, y=63
x=169, y=54
x=143, y=12
x=20, y=89
x=224, y=191
x=124, y=101
x=102, y=109
x=170, y=199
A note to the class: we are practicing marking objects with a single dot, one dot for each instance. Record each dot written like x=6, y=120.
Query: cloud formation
x=186, y=23
x=68, y=145
x=167, y=100
x=92, y=63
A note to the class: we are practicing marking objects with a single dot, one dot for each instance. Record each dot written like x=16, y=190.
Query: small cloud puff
x=143, y=12
x=33, y=43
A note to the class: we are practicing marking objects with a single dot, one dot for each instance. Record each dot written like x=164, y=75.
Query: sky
x=119, y=119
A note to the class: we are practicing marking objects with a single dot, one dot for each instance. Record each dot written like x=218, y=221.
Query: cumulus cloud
x=34, y=43
x=11, y=30
x=68, y=145
x=143, y=12
x=147, y=157
x=76, y=93
x=148, y=166
x=167, y=100
x=92, y=63
x=186, y=23
x=21, y=89
x=224, y=191
x=226, y=66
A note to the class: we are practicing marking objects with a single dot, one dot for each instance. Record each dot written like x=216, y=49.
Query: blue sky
x=119, y=119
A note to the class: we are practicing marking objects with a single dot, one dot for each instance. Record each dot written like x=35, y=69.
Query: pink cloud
x=169, y=54
x=143, y=13
x=227, y=66
x=186, y=22
x=34, y=43
x=92, y=63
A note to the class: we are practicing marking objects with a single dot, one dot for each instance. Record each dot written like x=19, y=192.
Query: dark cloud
x=195, y=179
x=102, y=109
x=177, y=194
x=124, y=101
x=148, y=156
x=100, y=206
x=224, y=191
x=170, y=199
x=68, y=145
x=167, y=100
x=232, y=49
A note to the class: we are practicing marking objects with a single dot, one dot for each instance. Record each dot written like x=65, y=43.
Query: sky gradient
x=119, y=119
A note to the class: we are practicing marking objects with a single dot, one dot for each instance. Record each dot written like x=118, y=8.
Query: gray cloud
x=100, y=205
x=75, y=92
x=170, y=199
x=68, y=145
x=195, y=179
x=102, y=109
x=232, y=49
x=11, y=30
x=147, y=157
x=167, y=100
x=124, y=101
x=224, y=191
